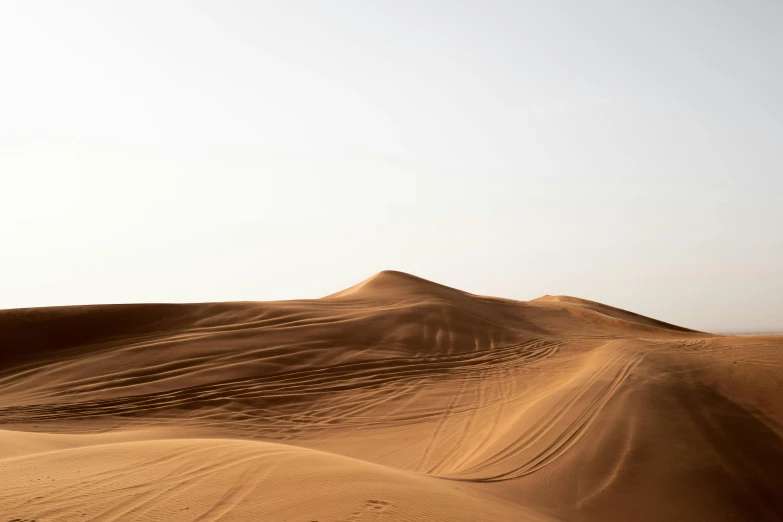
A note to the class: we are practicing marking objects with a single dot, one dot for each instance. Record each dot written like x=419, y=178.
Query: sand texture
x=396, y=399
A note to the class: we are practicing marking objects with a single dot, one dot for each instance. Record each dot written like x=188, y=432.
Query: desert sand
x=396, y=399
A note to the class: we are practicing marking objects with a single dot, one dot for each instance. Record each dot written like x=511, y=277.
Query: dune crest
x=611, y=311
x=395, y=399
x=394, y=284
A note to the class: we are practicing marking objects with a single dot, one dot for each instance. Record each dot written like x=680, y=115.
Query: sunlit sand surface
x=396, y=399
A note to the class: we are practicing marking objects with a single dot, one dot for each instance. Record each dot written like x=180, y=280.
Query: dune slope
x=396, y=399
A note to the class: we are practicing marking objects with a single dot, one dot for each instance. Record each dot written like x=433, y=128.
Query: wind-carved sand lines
x=397, y=399
x=560, y=427
x=250, y=396
x=482, y=382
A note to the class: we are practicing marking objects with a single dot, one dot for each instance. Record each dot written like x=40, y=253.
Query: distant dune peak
x=398, y=277
x=393, y=283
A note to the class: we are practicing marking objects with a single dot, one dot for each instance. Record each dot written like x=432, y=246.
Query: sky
x=187, y=151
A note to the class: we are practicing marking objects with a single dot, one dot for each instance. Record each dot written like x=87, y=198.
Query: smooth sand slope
x=396, y=399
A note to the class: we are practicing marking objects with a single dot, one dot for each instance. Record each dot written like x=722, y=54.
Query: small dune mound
x=611, y=311
x=230, y=480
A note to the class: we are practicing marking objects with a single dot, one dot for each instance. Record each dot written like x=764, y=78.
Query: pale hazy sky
x=628, y=152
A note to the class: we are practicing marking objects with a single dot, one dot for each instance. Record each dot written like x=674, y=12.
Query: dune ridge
x=395, y=399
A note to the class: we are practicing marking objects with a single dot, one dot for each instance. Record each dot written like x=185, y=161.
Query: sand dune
x=396, y=399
